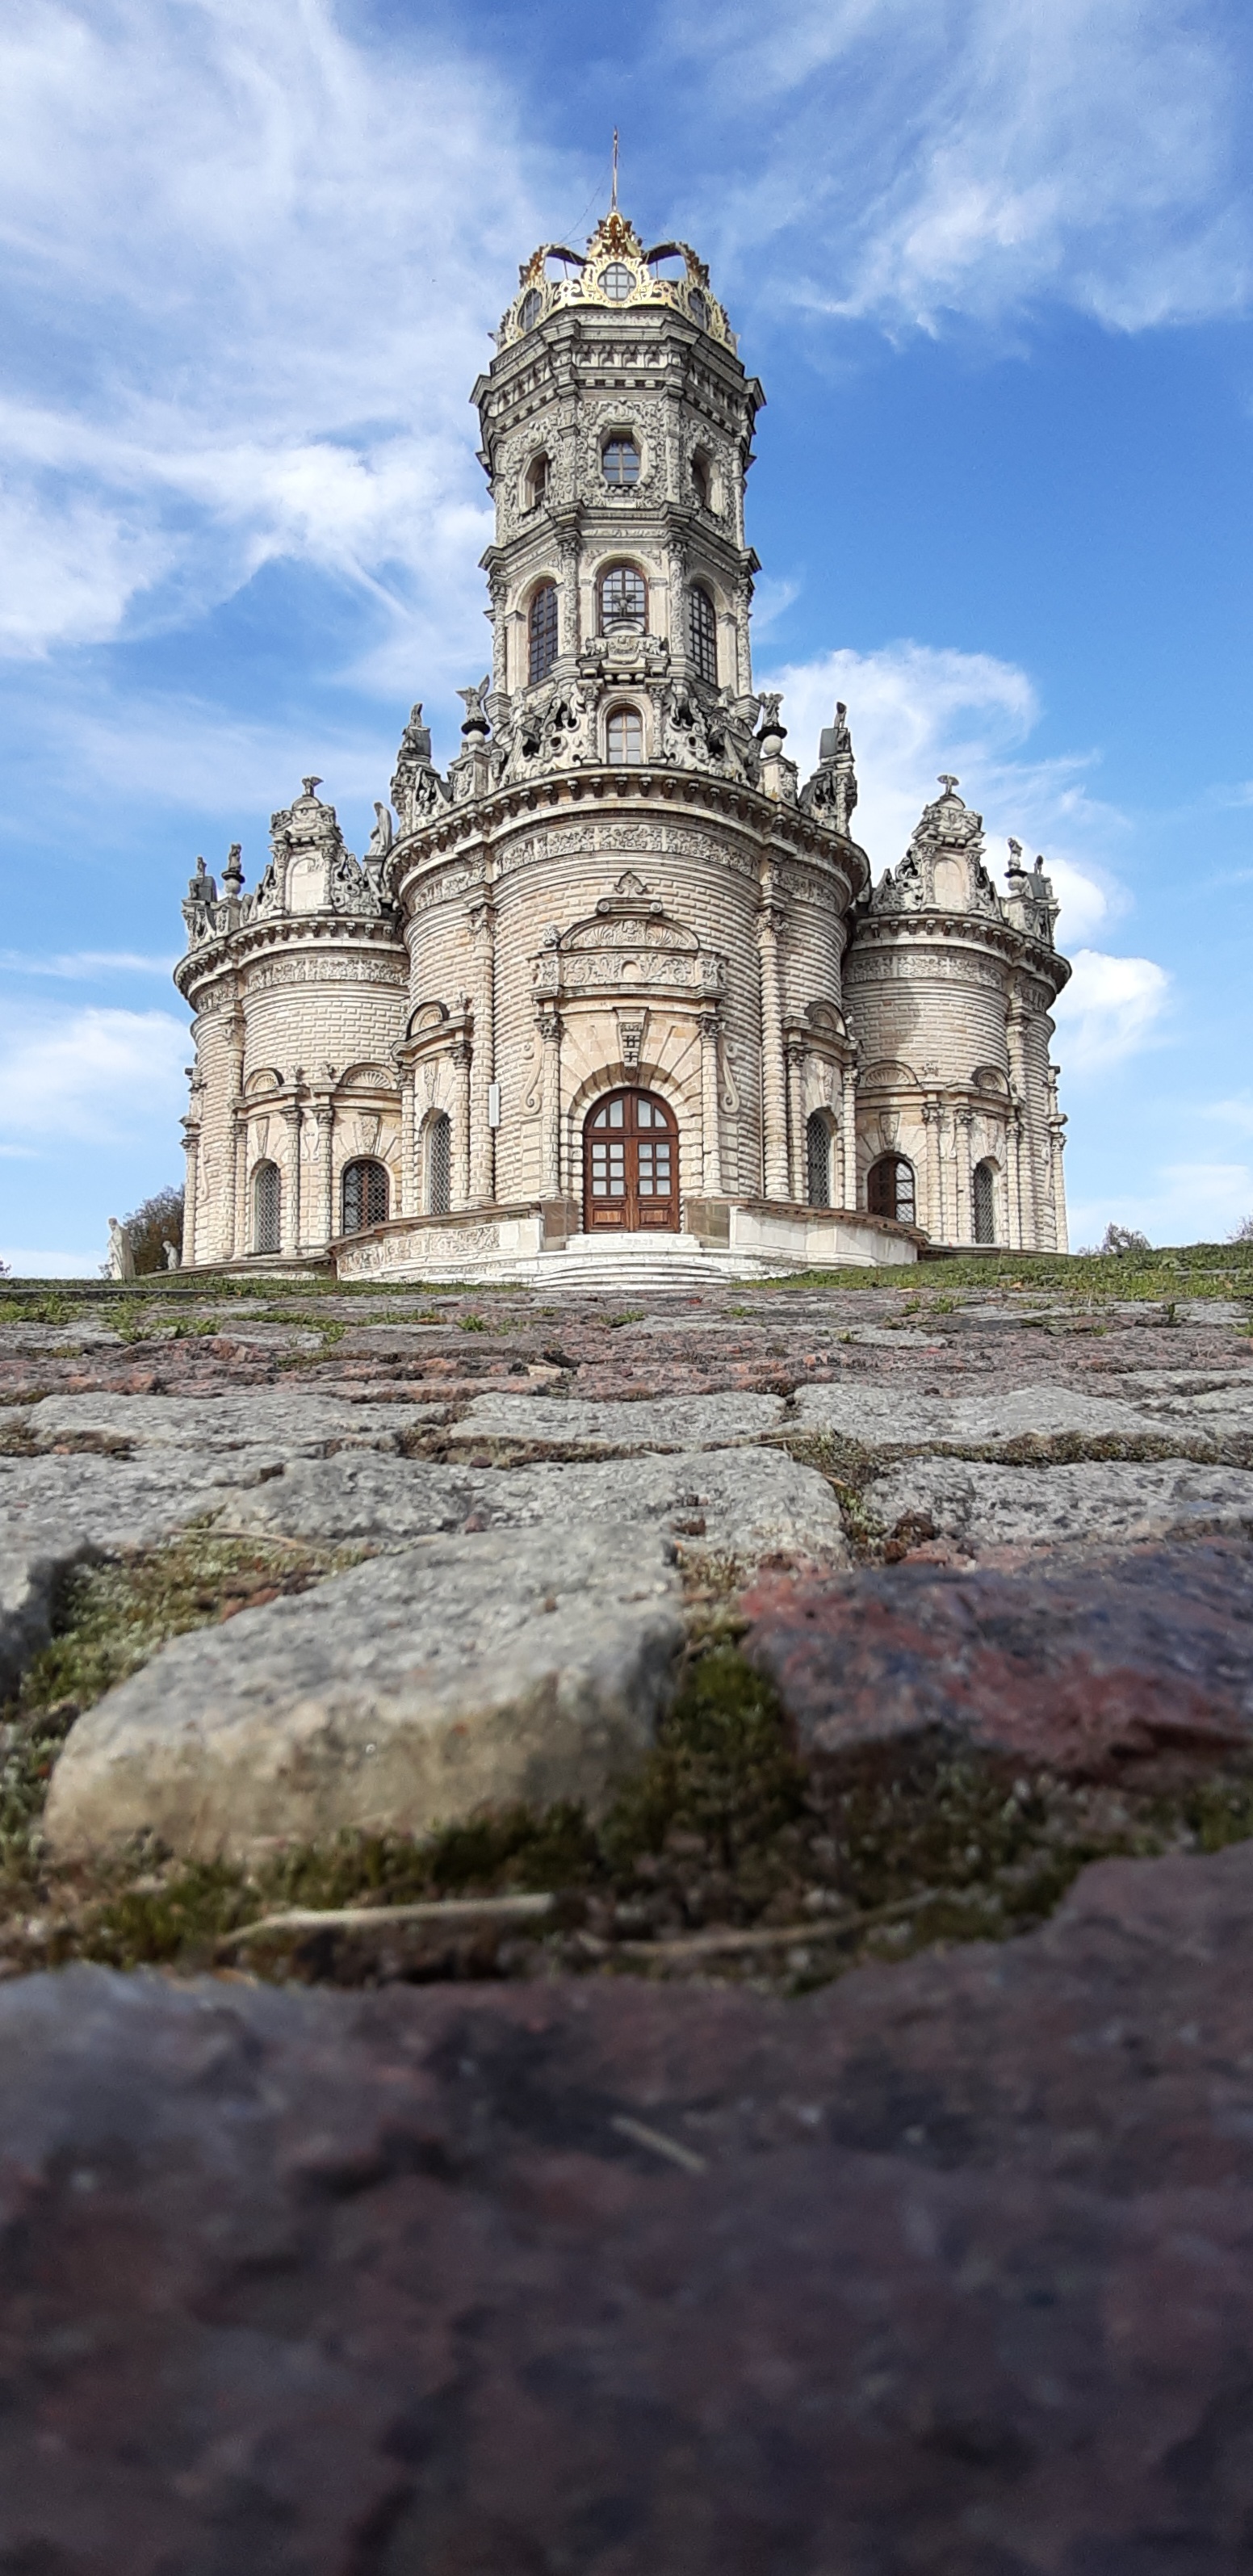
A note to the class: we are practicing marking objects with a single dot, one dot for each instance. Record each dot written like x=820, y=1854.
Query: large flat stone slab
x=1084, y=1665
x=942, y=2270
x=727, y=1502
x=463, y=1672
x=108, y=1503
x=654, y=1422
x=979, y=1506
x=883, y=1417
x=291, y=1421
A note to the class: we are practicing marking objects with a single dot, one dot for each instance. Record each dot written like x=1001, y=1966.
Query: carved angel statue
x=476, y=718
x=380, y=840
x=769, y=704
x=836, y=739
x=415, y=741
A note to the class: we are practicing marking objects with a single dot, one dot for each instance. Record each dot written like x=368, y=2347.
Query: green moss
x=720, y=1771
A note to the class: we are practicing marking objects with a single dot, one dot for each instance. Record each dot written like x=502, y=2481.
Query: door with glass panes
x=630, y=1164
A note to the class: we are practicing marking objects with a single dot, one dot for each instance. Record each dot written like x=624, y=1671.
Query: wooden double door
x=630, y=1164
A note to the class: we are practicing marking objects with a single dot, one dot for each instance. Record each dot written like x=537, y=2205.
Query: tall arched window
x=541, y=628
x=702, y=629
x=623, y=598
x=890, y=1188
x=363, y=1195
x=267, y=1208
x=700, y=478
x=818, y=1159
x=537, y=474
x=620, y=462
x=985, y=1202
x=439, y=1164
x=624, y=738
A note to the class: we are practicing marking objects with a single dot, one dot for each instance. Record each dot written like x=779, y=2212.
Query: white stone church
x=618, y=989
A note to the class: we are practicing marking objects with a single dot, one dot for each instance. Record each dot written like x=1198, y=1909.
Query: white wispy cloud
x=922, y=158
x=916, y=711
x=83, y=965
x=90, y=1076
x=1111, y=1008
x=253, y=255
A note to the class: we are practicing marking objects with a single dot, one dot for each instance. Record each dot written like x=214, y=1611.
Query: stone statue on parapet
x=121, y=1260
x=474, y=700
x=202, y=888
x=381, y=837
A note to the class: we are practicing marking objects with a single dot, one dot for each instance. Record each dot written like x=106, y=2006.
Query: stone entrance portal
x=630, y=1164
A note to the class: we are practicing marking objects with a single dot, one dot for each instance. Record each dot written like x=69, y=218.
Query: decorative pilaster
x=963, y=1121
x=235, y=1083
x=239, y=1164
x=848, y=1134
x=549, y=1026
x=569, y=635
x=191, y=1151
x=932, y=1117
x=463, y=1059
x=290, y=1238
x=408, y=1144
x=1017, y=1022
x=482, y=1141
x=711, y=1140
x=1057, y=1147
x=324, y=1115
x=773, y=1070
x=795, y=1057
x=1013, y=1178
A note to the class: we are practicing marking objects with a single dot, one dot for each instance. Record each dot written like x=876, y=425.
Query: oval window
x=698, y=309
x=616, y=282
x=530, y=309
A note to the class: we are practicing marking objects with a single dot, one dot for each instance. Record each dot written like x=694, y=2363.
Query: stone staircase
x=646, y=1263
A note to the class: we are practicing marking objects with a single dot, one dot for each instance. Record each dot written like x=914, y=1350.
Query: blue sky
x=993, y=260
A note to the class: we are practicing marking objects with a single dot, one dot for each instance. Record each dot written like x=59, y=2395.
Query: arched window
x=700, y=478
x=624, y=738
x=541, y=628
x=439, y=1164
x=267, y=1208
x=818, y=1159
x=623, y=598
x=985, y=1203
x=531, y=308
x=537, y=474
x=363, y=1195
x=620, y=461
x=890, y=1188
x=702, y=628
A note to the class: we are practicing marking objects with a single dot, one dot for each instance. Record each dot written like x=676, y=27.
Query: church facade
x=619, y=985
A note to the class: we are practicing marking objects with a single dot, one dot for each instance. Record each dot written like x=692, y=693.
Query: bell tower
x=617, y=426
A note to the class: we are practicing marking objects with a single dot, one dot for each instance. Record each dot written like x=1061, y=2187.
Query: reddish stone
x=1082, y=1665
x=303, y=2284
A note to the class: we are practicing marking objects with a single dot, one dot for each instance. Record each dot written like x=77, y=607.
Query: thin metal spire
x=613, y=202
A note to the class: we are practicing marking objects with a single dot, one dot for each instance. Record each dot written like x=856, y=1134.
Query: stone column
x=711, y=1135
x=482, y=1141
x=773, y=1071
x=568, y=634
x=239, y=1159
x=191, y=1151
x=963, y=1121
x=235, y=1085
x=289, y=1239
x=1013, y=1179
x=1018, y=1036
x=549, y=1026
x=325, y=1117
x=463, y=1058
x=1057, y=1147
x=932, y=1116
x=848, y=1134
x=798, y=1181
x=408, y=1144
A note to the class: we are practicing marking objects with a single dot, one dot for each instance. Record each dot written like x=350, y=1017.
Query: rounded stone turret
x=949, y=986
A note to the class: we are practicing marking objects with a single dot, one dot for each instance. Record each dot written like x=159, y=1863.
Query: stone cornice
x=937, y=929
x=284, y=934
x=645, y=793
